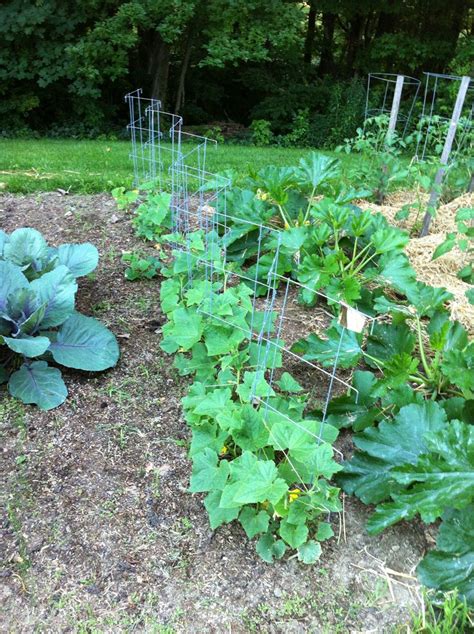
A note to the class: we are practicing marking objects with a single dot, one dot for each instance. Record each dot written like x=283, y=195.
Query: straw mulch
x=442, y=271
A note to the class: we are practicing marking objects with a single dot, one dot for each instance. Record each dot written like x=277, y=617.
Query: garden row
x=414, y=372
x=261, y=451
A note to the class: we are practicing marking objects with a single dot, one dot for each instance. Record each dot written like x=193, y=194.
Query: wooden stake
x=395, y=107
x=448, y=143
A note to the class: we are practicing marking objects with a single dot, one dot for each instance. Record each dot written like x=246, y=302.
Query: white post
x=448, y=143
x=395, y=107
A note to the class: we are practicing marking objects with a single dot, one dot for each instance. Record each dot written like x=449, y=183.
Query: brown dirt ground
x=98, y=533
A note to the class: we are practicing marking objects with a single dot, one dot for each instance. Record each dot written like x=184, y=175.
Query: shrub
x=261, y=132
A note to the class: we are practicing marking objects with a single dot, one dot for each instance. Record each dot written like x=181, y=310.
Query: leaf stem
x=424, y=361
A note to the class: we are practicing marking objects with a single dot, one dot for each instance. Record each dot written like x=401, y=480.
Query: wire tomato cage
x=221, y=249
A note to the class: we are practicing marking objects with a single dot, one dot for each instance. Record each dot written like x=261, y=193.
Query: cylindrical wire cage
x=392, y=96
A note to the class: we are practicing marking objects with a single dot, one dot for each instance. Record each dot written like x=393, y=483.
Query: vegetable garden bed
x=99, y=533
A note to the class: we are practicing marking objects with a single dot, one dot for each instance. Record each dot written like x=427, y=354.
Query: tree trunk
x=158, y=67
x=386, y=24
x=353, y=41
x=182, y=75
x=326, y=64
x=310, y=33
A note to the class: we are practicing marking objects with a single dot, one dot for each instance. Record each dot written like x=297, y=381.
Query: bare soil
x=98, y=533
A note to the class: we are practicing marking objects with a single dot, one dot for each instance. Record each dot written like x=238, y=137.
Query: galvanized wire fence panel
x=203, y=233
x=394, y=97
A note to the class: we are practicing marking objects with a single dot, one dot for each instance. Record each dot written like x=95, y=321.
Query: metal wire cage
x=448, y=101
x=394, y=97
x=203, y=228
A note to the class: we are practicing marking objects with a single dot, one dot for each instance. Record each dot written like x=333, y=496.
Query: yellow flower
x=293, y=494
x=223, y=450
x=287, y=226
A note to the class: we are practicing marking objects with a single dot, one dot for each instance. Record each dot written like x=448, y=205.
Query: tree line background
x=65, y=65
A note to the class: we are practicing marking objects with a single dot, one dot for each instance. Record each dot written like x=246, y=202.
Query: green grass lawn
x=92, y=166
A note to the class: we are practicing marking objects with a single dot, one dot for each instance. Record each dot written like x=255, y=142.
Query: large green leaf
x=39, y=384
x=310, y=552
x=213, y=402
x=188, y=327
x=318, y=458
x=451, y=564
x=389, y=240
x=316, y=272
x=427, y=299
x=458, y=366
x=288, y=384
x=252, y=480
x=11, y=281
x=397, y=270
x=356, y=408
x=208, y=473
x=294, y=534
x=199, y=364
x=85, y=344
x=253, y=521
x=28, y=346
x=250, y=432
x=207, y=435
x=80, y=259
x=276, y=181
x=254, y=384
x=316, y=169
x=341, y=346
x=387, y=340
x=221, y=340
x=369, y=474
x=270, y=548
x=294, y=238
x=25, y=247
x=56, y=290
x=169, y=294
x=217, y=514
x=442, y=478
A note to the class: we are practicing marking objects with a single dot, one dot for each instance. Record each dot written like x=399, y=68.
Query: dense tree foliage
x=68, y=63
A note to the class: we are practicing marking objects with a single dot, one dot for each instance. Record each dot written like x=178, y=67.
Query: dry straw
x=443, y=270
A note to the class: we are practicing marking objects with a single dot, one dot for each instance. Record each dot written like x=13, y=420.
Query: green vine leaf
x=270, y=548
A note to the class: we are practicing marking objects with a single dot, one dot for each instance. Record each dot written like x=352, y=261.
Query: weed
x=451, y=615
x=104, y=305
x=22, y=560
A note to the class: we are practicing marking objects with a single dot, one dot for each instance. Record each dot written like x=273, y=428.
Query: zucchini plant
x=328, y=244
x=413, y=421
x=38, y=323
x=463, y=239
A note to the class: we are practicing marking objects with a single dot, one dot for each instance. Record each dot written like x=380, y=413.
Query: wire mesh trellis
x=439, y=102
x=394, y=97
x=203, y=230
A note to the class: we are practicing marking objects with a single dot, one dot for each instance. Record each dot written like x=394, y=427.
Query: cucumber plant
x=253, y=463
